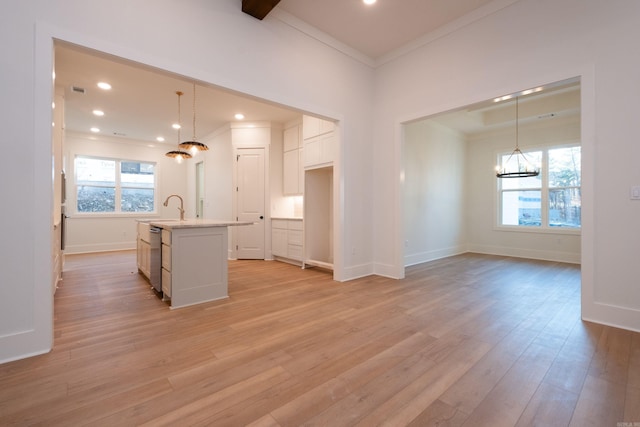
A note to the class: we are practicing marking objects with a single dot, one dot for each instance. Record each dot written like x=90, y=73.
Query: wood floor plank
x=601, y=403
x=550, y=406
x=439, y=414
x=465, y=340
x=505, y=403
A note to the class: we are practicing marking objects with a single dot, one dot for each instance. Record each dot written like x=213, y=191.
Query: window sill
x=539, y=230
x=101, y=215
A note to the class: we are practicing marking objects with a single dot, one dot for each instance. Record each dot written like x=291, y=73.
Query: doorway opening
x=452, y=201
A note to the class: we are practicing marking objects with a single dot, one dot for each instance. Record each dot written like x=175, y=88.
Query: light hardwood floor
x=470, y=340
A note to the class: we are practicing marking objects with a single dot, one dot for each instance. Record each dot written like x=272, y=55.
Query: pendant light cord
x=194, y=111
x=179, y=121
x=517, y=146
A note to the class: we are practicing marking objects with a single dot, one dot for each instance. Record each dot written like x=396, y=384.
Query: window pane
x=564, y=167
x=137, y=200
x=565, y=207
x=96, y=199
x=521, y=208
x=95, y=172
x=510, y=162
x=136, y=174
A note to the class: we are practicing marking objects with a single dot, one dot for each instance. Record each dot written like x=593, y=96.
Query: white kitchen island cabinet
x=194, y=260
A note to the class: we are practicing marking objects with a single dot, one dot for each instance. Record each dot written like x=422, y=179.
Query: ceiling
x=376, y=30
x=143, y=103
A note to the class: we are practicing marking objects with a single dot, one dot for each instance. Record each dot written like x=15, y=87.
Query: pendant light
x=178, y=154
x=194, y=146
x=520, y=167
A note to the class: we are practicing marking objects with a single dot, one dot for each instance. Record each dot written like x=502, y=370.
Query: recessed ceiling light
x=176, y=126
x=239, y=116
x=368, y=1
x=95, y=130
x=98, y=113
x=104, y=85
x=159, y=139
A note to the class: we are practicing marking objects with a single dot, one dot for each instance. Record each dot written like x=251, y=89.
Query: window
x=114, y=186
x=549, y=200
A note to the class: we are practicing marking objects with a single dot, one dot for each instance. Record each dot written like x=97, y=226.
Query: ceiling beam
x=258, y=8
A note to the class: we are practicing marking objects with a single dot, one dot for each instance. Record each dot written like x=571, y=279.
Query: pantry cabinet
x=293, y=173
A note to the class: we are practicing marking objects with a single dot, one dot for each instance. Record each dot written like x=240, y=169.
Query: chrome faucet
x=181, y=208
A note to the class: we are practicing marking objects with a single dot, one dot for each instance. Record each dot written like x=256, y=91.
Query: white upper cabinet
x=319, y=142
x=293, y=173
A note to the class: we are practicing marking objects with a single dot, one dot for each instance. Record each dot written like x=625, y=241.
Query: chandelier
x=517, y=165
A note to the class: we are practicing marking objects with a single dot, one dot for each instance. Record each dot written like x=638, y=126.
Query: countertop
x=170, y=224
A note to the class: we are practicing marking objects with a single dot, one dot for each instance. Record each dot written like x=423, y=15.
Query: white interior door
x=250, y=200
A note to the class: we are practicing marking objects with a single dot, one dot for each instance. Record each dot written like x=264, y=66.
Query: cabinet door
x=291, y=172
x=310, y=127
x=139, y=253
x=291, y=138
x=313, y=126
x=279, y=242
x=326, y=148
x=312, y=151
x=319, y=151
x=146, y=259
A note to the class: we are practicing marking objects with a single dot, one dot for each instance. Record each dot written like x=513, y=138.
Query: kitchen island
x=194, y=260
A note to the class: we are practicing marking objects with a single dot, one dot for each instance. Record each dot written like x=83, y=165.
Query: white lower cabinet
x=144, y=250
x=194, y=265
x=286, y=239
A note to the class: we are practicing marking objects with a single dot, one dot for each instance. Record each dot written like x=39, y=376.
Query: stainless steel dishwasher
x=155, y=259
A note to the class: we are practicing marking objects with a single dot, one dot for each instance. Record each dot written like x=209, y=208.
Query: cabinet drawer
x=294, y=224
x=166, y=257
x=279, y=223
x=166, y=237
x=294, y=237
x=166, y=283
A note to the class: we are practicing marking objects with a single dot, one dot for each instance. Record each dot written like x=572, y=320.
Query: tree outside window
x=550, y=200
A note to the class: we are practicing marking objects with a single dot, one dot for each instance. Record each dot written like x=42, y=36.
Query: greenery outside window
x=114, y=186
x=549, y=200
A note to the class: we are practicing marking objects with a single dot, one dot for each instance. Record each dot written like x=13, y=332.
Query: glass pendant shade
x=194, y=146
x=179, y=155
x=517, y=164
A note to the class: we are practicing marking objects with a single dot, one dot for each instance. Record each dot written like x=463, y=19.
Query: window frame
x=544, y=227
x=118, y=212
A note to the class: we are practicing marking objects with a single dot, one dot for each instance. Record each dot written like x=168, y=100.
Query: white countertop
x=170, y=224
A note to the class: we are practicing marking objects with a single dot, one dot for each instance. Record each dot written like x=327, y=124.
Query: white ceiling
x=142, y=104
x=376, y=30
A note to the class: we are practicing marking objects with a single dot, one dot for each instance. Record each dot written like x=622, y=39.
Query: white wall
x=93, y=234
x=528, y=43
x=434, y=192
x=218, y=176
x=267, y=59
